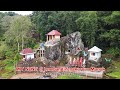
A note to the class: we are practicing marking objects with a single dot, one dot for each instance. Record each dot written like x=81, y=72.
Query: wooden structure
x=54, y=34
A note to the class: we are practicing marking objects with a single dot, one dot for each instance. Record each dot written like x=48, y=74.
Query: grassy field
x=114, y=70
x=7, y=70
x=72, y=76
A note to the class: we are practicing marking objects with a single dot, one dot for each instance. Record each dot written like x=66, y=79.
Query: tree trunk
x=15, y=67
x=22, y=42
x=18, y=46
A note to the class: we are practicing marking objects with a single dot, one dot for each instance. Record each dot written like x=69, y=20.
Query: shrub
x=8, y=62
x=114, y=51
x=9, y=68
x=9, y=54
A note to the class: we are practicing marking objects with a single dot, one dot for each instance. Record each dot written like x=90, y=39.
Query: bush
x=36, y=46
x=9, y=68
x=17, y=57
x=9, y=54
x=8, y=62
x=114, y=51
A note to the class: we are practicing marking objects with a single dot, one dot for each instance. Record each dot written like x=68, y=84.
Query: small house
x=27, y=54
x=54, y=34
x=94, y=53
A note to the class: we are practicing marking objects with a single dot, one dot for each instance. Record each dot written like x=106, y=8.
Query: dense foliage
x=100, y=28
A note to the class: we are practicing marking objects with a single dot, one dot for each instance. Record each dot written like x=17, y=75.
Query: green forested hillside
x=100, y=28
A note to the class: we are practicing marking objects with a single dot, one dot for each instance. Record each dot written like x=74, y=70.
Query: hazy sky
x=20, y=12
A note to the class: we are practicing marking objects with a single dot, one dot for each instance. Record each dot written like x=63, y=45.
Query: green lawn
x=115, y=70
x=7, y=69
x=72, y=76
x=114, y=74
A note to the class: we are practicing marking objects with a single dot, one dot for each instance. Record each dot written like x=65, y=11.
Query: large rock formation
x=73, y=43
x=58, y=52
x=53, y=52
x=70, y=44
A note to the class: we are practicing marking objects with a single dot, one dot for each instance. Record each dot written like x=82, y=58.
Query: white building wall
x=99, y=54
x=28, y=56
x=96, y=57
x=57, y=37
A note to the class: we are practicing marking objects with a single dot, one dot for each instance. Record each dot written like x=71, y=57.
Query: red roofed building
x=27, y=54
x=54, y=34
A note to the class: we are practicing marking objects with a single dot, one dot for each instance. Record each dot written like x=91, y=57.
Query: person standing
x=81, y=61
x=74, y=62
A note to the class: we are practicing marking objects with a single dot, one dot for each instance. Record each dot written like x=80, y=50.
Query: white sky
x=20, y=12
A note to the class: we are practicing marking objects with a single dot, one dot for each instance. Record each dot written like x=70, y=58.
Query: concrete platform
x=92, y=74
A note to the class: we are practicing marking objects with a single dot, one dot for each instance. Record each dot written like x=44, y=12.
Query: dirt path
x=27, y=76
x=55, y=74
x=39, y=76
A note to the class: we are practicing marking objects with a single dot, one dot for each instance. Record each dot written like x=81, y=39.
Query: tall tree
x=63, y=21
x=19, y=31
x=5, y=23
x=87, y=23
x=113, y=32
x=102, y=28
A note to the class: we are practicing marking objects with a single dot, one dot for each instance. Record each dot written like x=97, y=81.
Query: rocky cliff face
x=53, y=52
x=70, y=44
x=73, y=43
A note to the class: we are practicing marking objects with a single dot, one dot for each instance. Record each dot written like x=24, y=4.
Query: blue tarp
x=42, y=45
